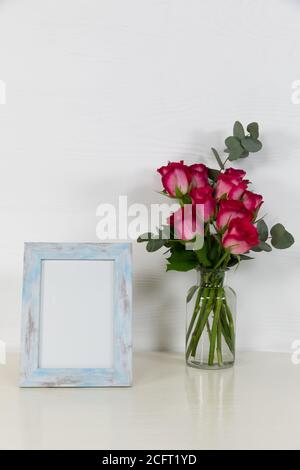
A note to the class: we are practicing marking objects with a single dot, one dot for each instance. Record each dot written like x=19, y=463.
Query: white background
x=102, y=92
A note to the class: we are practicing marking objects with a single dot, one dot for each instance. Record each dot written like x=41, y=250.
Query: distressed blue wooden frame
x=121, y=374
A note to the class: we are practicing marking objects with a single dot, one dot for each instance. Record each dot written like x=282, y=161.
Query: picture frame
x=63, y=322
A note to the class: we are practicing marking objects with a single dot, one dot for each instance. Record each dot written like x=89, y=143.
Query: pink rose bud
x=252, y=201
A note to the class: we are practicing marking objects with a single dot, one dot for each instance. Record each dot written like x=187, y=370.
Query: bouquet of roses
x=217, y=225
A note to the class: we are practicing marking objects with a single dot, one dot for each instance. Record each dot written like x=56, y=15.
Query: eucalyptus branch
x=218, y=158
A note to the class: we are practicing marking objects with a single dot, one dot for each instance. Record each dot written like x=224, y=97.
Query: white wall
x=102, y=92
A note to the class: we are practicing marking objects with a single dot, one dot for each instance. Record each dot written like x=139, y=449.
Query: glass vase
x=210, y=326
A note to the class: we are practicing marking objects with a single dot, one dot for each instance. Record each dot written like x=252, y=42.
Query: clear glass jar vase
x=210, y=326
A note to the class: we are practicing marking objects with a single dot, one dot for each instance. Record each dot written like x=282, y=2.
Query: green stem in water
x=203, y=317
x=202, y=291
x=215, y=327
x=208, y=329
x=204, y=300
x=195, y=312
x=226, y=329
x=219, y=344
x=231, y=324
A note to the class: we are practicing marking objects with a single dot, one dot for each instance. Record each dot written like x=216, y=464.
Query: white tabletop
x=256, y=404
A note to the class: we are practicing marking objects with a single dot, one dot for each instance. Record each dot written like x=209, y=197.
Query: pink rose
x=187, y=222
x=199, y=175
x=252, y=201
x=198, y=180
x=203, y=196
x=163, y=170
x=183, y=177
x=200, y=168
x=238, y=190
x=175, y=175
x=230, y=210
x=235, y=174
x=240, y=236
x=230, y=186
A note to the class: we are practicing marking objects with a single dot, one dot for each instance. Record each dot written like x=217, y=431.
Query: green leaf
x=263, y=246
x=263, y=230
x=155, y=244
x=244, y=154
x=256, y=248
x=252, y=128
x=234, y=147
x=177, y=246
x=213, y=174
x=202, y=257
x=182, y=260
x=235, y=259
x=233, y=144
x=218, y=158
x=245, y=257
x=145, y=237
x=186, y=199
x=238, y=130
x=251, y=145
x=178, y=193
x=191, y=293
x=166, y=232
x=281, y=238
x=213, y=251
x=182, y=266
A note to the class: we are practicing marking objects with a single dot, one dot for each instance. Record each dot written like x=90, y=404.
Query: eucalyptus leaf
x=233, y=144
x=262, y=246
x=233, y=156
x=218, y=158
x=166, y=232
x=145, y=237
x=251, y=145
x=256, y=248
x=238, y=130
x=281, y=238
x=245, y=257
x=234, y=147
x=265, y=246
x=155, y=244
x=263, y=230
x=235, y=259
x=244, y=154
x=232, y=262
x=252, y=128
